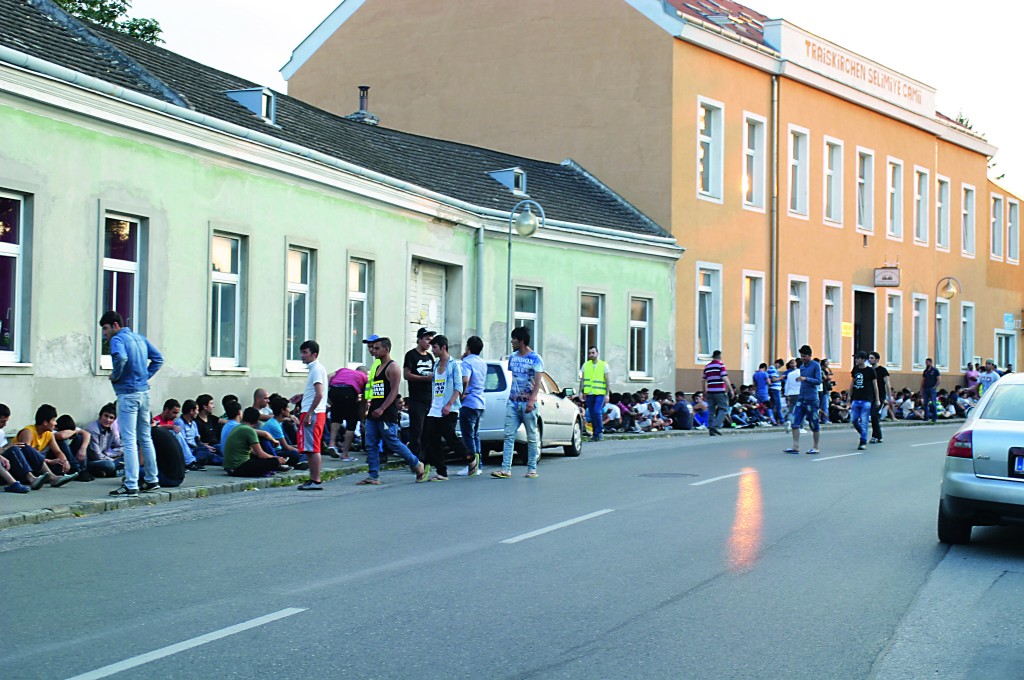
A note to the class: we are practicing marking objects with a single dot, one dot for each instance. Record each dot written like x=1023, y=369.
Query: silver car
x=983, y=481
x=559, y=420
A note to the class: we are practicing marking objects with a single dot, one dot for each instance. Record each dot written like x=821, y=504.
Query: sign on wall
x=887, y=277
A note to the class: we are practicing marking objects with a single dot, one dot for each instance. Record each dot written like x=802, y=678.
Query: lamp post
x=947, y=288
x=526, y=224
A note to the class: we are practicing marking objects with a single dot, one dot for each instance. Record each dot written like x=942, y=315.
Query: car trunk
x=998, y=447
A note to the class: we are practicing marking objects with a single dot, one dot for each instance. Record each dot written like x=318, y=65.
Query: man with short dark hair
x=863, y=396
x=243, y=455
x=444, y=409
x=166, y=419
x=187, y=428
x=525, y=365
x=929, y=385
x=418, y=371
x=105, y=449
x=232, y=417
x=313, y=414
x=594, y=381
x=717, y=390
x=474, y=376
x=39, y=438
x=807, y=404
x=884, y=396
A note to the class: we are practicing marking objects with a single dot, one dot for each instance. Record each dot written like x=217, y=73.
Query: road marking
x=718, y=479
x=845, y=455
x=182, y=646
x=944, y=441
x=556, y=527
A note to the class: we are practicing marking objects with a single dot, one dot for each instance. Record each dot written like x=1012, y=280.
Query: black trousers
x=436, y=430
x=876, y=420
x=417, y=414
x=256, y=467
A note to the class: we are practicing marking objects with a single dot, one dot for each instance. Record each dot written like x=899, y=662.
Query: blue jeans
x=928, y=395
x=377, y=431
x=776, y=400
x=469, y=424
x=515, y=413
x=806, y=407
x=133, y=419
x=823, y=405
x=594, y=406
x=860, y=416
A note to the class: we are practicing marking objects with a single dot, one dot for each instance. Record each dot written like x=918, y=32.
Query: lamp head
x=526, y=223
x=949, y=291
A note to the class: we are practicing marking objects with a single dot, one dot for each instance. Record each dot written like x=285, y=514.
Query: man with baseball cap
x=863, y=396
x=419, y=373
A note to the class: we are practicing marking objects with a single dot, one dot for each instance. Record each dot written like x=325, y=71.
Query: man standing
x=762, y=389
x=594, y=388
x=474, y=375
x=987, y=378
x=524, y=364
x=775, y=389
x=135, y=361
x=863, y=395
x=717, y=390
x=444, y=409
x=807, y=404
x=929, y=386
x=419, y=372
x=345, y=389
x=884, y=396
x=313, y=416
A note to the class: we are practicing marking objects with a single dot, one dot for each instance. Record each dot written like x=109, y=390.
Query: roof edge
x=315, y=40
x=586, y=174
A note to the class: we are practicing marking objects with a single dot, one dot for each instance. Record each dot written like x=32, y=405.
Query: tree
x=114, y=14
x=963, y=120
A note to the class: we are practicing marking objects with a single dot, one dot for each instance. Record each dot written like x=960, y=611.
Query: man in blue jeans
x=863, y=396
x=929, y=385
x=135, y=361
x=474, y=376
x=524, y=364
x=594, y=388
x=807, y=402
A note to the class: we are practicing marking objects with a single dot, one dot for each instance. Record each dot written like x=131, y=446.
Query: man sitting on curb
x=39, y=437
x=26, y=464
x=243, y=455
x=74, y=443
x=105, y=450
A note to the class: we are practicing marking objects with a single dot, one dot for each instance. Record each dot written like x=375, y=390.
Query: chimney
x=363, y=115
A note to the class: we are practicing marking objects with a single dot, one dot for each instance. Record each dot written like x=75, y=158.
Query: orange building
x=820, y=196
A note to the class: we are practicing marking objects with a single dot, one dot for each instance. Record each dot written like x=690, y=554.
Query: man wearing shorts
x=314, y=414
x=345, y=392
x=808, y=403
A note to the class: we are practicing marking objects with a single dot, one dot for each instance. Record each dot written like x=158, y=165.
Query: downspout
x=773, y=219
x=480, y=280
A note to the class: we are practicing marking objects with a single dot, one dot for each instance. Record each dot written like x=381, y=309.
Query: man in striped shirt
x=718, y=390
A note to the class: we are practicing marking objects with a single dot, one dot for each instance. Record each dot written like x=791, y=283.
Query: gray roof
x=567, y=192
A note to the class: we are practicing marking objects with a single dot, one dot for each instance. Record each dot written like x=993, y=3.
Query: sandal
x=368, y=481
x=422, y=477
x=791, y=450
x=438, y=478
x=812, y=451
x=474, y=467
x=532, y=474
x=501, y=474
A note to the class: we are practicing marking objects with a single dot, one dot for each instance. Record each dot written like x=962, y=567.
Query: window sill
x=220, y=369
x=297, y=368
x=16, y=369
x=641, y=377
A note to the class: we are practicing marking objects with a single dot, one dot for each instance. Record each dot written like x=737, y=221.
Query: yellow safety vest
x=368, y=392
x=593, y=378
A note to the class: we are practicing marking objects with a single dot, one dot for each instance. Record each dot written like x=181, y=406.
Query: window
x=832, y=322
x=919, y=330
x=121, y=248
x=833, y=181
x=942, y=334
x=753, y=161
x=894, y=208
x=1006, y=348
x=942, y=215
x=996, y=230
x=360, y=317
x=921, y=198
x=12, y=228
x=865, y=190
x=298, y=315
x=966, y=334
x=967, y=221
x=797, y=315
x=894, y=329
x=590, y=324
x=639, y=337
x=527, y=313
x=710, y=134
x=1012, y=231
x=709, y=309
x=799, y=167
x=226, y=301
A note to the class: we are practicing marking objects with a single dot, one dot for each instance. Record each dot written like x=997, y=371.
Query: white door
x=427, y=286
x=750, y=359
x=752, y=347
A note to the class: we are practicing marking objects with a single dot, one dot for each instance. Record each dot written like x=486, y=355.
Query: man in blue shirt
x=929, y=384
x=761, y=386
x=474, y=375
x=135, y=361
x=807, y=403
x=525, y=365
x=775, y=390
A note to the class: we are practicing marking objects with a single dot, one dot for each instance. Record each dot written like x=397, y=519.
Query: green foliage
x=114, y=14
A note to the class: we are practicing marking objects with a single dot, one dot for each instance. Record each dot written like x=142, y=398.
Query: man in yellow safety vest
x=594, y=387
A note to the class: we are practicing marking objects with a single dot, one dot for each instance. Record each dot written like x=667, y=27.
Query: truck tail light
x=961, y=445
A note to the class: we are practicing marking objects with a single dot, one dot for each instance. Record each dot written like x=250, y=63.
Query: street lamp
x=526, y=224
x=949, y=290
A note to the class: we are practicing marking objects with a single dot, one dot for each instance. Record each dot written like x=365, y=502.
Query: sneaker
x=502, y=474
x=146, y=487
x=349, y=459
x=284, y=468
x=16, y=487
x=310, y=486
x=63, y=480
x=803, y=430
x=84, y=477
x=791, y=450
x=195, y=466
x=124, y=492
x=333, y=452
x=861, y=446
x=876, y=440
x=301, y=466
x=464, y=472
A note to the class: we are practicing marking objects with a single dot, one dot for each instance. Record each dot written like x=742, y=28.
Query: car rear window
x=495, y=381
x=1006, y=403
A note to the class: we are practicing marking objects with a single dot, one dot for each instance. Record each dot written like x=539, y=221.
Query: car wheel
x=576, y=448
x=953, y=531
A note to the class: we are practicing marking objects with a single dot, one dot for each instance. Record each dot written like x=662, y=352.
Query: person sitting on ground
x=170, y=458
x=625, y=404
x=838, y=408
x=105, y=449
x=261, y=402
x=187, y=427
x=209, y=430
x=167, y=417
x=26, y=465
x=224, y=401
x=74, y=443
x=700, y=411
x=281, y=408
x=232, y=417
x=682, y=413
x=611, y=418
x=11, y=485
x=39, y=437
x=243, y=455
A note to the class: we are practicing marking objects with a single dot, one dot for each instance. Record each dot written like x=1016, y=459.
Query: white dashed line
x=718, y=479
x=944, y=441
x=845, y=455
x=555, y=527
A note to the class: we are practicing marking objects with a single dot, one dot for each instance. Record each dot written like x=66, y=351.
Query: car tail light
x=961, y=445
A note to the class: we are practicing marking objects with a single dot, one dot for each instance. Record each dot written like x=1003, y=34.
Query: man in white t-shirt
x=313, y=414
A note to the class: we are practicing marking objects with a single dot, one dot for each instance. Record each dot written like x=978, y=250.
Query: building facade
x=820, y=196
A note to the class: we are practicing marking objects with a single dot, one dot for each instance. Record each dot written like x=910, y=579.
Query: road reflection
x=745, y=538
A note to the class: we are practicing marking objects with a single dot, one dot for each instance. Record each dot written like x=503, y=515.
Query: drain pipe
x=773, y=218
x=480, y=280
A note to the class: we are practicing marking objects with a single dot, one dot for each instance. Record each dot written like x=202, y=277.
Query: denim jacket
x=135, y=361
x=811, y=374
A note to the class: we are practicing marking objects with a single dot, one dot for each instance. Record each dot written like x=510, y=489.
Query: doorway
x=863, y=321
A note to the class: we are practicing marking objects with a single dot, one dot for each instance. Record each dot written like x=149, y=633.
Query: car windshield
x=495, y=381
x=1006, y=403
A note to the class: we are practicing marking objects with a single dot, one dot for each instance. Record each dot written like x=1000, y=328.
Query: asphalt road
x=681, y=558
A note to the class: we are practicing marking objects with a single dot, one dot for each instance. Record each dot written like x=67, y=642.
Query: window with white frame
x=893, y=329
x=966, y=334
x=639, y=337
x=1012, y=231
x=942, y=334
x=226, y=301
x=922, y=189
x=360, y=308
x=833, y=181
x=527, y=312
x=710, y=144
x=1006, y=348
x=865, y=190
x=942, y=214
x=996, y=230
x=753, y=161
x=799, y=170
x=12, y=233
x=832, y=322
x=967, y=221
x=919, y=331
x=591, y=306
x=709, y=310
x=122, y=238
x=298, y=316
x=797, y=315
x=894, y=206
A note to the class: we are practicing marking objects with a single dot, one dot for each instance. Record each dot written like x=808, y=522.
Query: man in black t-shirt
x=884, y=396
x=418, y=371
x=863, y=396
